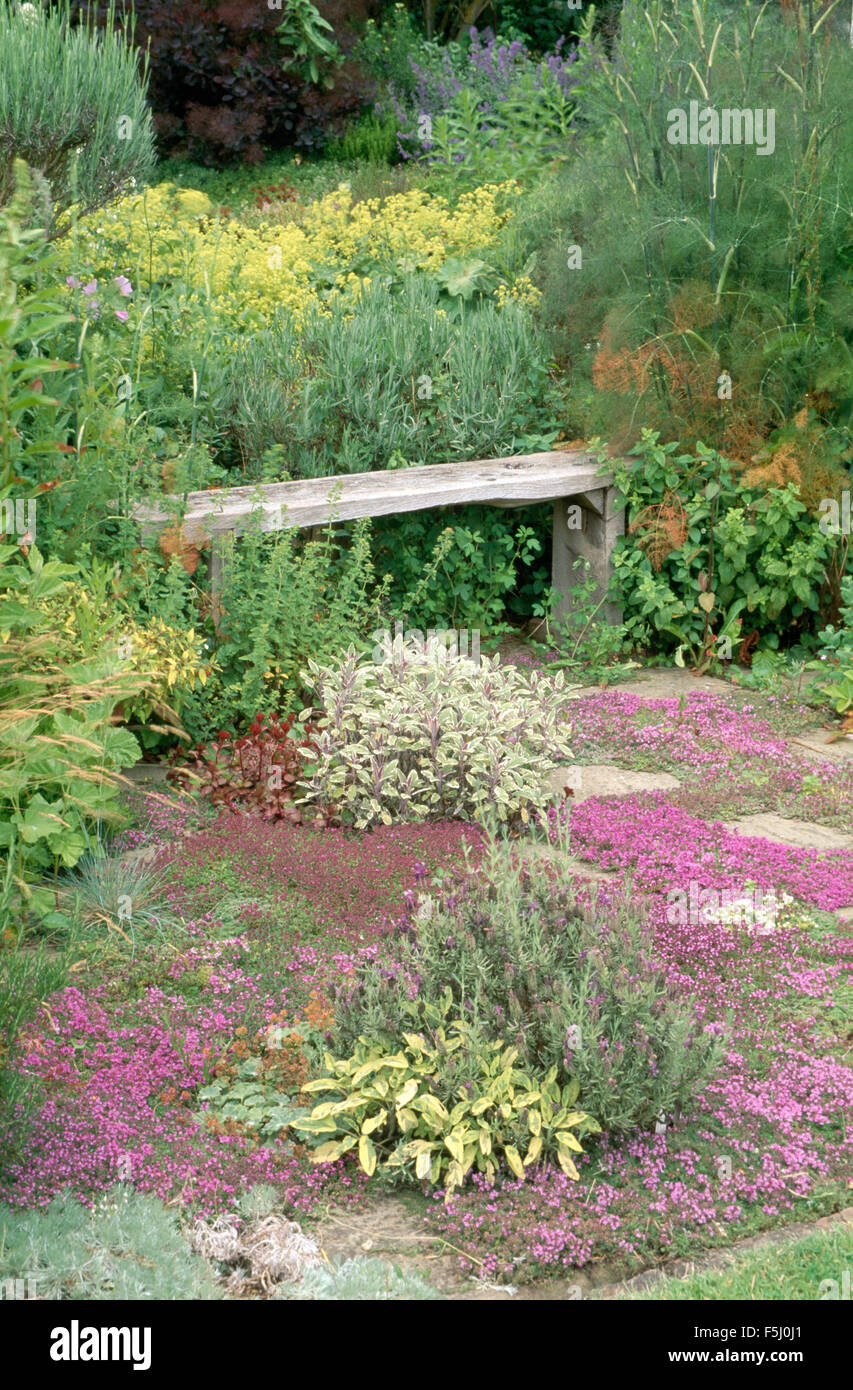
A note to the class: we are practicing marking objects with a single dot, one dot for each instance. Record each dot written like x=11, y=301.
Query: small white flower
x=29, y=14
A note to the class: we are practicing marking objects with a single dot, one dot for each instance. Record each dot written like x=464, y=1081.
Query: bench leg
x=585, y=528
x=218, y=546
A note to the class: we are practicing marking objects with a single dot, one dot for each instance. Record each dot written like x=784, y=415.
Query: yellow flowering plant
x=172, y=661
x=332, y=246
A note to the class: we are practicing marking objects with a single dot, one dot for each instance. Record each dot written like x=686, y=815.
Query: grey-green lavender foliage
x=128, y=1246
x=402, y=370
x=73, y=106
x=572, y=986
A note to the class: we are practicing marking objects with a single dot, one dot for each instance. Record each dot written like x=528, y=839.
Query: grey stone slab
x=802, y=834
x=822, y=742
x=662, y=683
x=606, y=779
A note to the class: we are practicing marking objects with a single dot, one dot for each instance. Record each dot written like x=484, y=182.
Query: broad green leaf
x=513, y=1158
x=367, y=1155
x=407, y=1092
x=328, y=1153
x=571, y=1092
x=534, y=1150
x=568, y=1141
x=454, y=1146
x=374, y=1122
x=566, y=1163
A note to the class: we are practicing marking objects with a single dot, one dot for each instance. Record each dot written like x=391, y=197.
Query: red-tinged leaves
x=255, y=773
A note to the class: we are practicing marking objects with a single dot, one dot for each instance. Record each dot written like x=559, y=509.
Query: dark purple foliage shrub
x=218, y=87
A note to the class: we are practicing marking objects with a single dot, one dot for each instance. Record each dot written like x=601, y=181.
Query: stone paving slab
x=664, y=683
x=138, y=856
x=803, y=834
x=822, y=742
x=606, y=779
x=144, y=774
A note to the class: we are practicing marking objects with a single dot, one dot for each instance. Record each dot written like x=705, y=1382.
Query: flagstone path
x=788, y=831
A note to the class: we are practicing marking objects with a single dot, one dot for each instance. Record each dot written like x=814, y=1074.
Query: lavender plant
x=571, y=987
x=485, y=107
x=73, y=106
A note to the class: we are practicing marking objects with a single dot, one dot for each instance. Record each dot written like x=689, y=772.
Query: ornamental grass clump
x=570, y=987
x=424, y=735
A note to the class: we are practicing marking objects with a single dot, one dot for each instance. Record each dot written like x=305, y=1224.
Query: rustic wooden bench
x=586, y=519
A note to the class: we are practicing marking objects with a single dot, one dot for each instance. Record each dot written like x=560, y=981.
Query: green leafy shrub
x=128, y=1246
x=542, y=26
x=492, y=567
x=370, y=137
x=73, y=106
x=388, y=47
x=442, y=1106
x=59, y=750
x=836, y=651
x=573, y=989
x=705, y=558
x=303, y=32
x=283, y=599
x=27, y=316
x=424, y=735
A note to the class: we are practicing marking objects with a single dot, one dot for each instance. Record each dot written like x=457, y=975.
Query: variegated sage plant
x=428, y=736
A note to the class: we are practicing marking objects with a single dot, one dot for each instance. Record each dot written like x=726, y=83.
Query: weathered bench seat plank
x=586, y=523
x=527, y=478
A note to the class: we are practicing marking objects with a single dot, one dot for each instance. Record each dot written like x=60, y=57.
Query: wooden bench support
x=586, y=527
x=216, y=568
